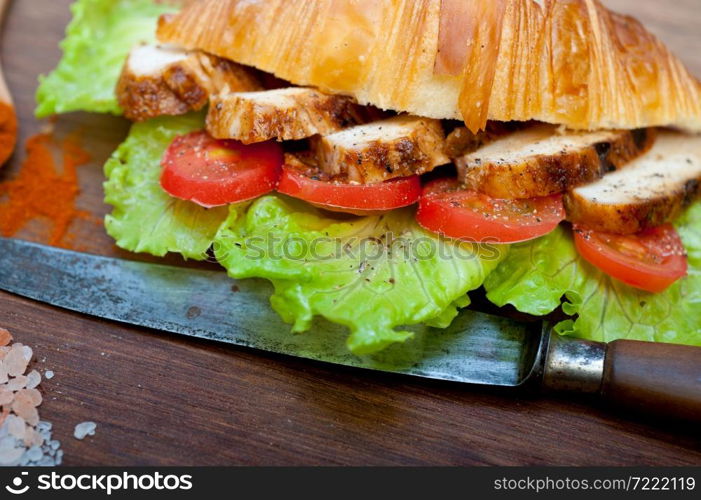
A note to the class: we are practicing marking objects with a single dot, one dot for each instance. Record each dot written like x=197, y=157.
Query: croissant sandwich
x=547, y=151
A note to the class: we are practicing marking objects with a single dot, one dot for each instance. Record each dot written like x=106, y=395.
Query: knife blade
x=477, y=348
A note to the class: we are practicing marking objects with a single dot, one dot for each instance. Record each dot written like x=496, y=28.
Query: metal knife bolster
x=573, y=365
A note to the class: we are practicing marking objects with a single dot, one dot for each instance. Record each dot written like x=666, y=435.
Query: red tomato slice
x=457, y=213
x=212, y=172
x=357, y=199
x=651, y=260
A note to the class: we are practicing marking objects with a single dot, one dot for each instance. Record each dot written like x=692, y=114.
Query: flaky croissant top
x=569, y=62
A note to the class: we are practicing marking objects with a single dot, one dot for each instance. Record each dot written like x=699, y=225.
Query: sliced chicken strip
x=158, y=80
x=397, y=147
x=542, y=160
x=461, y=142
x=285, y=114
x=648, y=192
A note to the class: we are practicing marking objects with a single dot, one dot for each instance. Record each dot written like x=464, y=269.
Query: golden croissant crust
x=569, y=62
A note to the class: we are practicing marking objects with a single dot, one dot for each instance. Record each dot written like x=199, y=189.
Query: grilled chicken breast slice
x=159, y=80
x=285, y=114
x=648, y=192
x=461, y=142
x=541, y=160
x=396, y=147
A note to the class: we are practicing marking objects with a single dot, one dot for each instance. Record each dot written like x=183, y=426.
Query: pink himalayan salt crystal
x=15, y=362
x=16, y=426
x=17, y=383
x=6, y=397
x=25, y=410
x=26, y=439
x=31, y=396
x=11, y=456
x=5, y=337
x=32, y=437
x=84, y=429
x=32, y=417
x=33, y=379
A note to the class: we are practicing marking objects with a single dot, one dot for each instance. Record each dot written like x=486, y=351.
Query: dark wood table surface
x=159, y=399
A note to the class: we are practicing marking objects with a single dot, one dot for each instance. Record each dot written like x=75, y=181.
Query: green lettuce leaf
x=145, y=218
x=537, y=275
x=97, y=42
x=371, y=274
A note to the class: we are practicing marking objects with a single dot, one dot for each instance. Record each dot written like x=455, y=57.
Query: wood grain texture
x=163, y=400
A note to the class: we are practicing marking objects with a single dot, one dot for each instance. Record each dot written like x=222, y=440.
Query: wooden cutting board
x=162, y=400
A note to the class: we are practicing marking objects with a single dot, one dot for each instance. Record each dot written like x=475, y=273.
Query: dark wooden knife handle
x=662, y=379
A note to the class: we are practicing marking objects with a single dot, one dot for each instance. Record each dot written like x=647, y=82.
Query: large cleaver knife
x=477, y=349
